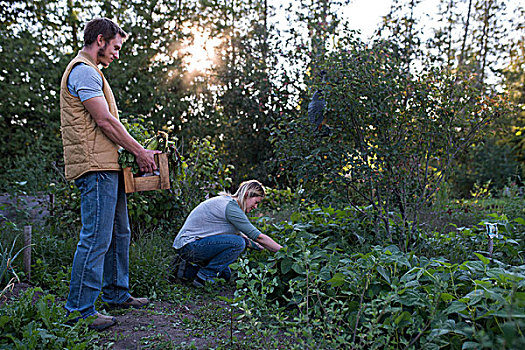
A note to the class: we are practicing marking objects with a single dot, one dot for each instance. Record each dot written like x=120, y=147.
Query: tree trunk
x=465, y=36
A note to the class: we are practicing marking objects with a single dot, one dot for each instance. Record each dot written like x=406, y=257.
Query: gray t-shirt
x=85, y=82
x=214, y=216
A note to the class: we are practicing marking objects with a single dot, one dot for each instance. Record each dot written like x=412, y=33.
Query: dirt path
x=196, y=319
x=201, y=324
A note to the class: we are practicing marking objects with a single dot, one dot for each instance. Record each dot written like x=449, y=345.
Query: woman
x=216, y=233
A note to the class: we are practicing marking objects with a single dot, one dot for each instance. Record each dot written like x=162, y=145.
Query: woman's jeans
x=102, y=256
x=213, y=254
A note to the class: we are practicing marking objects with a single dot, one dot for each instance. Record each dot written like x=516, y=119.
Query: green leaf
x=510, y=314
x=298, y=268
x=437, y=332
x=447, y=297
x=384, y=273
x=455, y=307
x=338, y=280
x=325, y=273
x=482, y=258
x=286, y=266
x=405, y=316
x=520, y=221
x=471, y=345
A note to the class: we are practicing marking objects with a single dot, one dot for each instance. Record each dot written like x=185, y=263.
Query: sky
x=365, y=15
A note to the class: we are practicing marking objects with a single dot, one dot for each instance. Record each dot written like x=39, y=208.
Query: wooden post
x=27, y=251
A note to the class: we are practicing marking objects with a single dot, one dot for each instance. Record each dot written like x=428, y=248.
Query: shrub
x=330, y=295
x=393, y=134
x=37, y=321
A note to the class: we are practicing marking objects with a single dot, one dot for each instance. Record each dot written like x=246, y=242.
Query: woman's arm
x=238, y=218
x=268, y=243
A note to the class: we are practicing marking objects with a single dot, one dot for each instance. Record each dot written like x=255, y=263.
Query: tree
x=148, y=80
x=395, y=134
x=515, y=85
x=29, y=84
x=234, y=100
x=401, y=26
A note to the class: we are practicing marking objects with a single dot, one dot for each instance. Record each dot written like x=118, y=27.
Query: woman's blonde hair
x=247, y=189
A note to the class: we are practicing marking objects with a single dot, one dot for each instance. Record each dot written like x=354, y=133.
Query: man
x=91, y=135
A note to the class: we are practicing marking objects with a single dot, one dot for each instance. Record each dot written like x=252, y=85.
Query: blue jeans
x=101, y=260
x=213, y=254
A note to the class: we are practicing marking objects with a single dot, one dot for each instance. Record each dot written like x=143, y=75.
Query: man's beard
x=101, y=53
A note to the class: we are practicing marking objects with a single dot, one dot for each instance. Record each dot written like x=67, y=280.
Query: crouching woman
x=216, y=232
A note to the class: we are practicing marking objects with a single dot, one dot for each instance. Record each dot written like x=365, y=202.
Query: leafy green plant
x=52, y=257
x=150, y=256
x=37, y=321
x=328, y=294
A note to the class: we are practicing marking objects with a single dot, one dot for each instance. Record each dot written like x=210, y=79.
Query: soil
x=201, y=324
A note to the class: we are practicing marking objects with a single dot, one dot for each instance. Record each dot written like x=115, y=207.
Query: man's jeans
x=102, y=255
x=214, y=254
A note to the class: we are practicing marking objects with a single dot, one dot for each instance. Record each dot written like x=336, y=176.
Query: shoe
x=136, y=303
x=225, y=274
x=102, y=322
x=200, y=283
x=182, y=270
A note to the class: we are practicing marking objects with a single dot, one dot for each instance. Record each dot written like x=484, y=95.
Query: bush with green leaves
x=393, y=134
x=332, y=294
x=485, y=161
x=37, y=321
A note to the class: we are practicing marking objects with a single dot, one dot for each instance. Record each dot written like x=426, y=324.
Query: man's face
x=110, y=51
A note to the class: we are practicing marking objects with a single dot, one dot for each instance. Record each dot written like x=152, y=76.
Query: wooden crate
x=147, y=183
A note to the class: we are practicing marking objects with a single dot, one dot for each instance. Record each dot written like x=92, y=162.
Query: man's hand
x=146, y=160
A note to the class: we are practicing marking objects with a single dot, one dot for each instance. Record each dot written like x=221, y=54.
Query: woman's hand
x=268, y=243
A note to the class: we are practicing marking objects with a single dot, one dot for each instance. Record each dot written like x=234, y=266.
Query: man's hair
x=104, y=26
x=247, y=189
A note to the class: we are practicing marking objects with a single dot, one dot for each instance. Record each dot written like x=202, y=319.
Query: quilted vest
x=86, y=147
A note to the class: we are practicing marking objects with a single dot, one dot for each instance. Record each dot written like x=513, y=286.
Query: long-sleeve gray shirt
x=214, y=216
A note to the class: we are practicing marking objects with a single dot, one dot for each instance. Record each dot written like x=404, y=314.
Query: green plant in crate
x=159, y=141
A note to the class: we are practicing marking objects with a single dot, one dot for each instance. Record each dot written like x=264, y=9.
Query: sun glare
x=200, y=52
